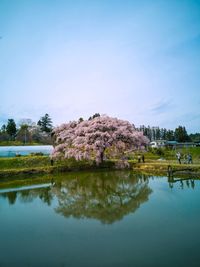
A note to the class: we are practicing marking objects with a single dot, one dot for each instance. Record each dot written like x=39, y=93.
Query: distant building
x=185, y=144
x=171, y=144
x=158, y=143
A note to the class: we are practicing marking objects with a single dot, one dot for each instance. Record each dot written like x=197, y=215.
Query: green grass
x=30, y=165
x=26, y=165
x=169, y=154
x=18, y=143
x=24, y=162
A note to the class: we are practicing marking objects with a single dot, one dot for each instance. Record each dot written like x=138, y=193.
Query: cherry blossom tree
x=89, y=139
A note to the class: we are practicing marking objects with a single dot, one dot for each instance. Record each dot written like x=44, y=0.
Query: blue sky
x=135, y=60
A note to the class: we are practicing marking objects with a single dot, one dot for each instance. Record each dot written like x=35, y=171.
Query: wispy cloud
x=190, y=120
x=162, y=107
x=189, y=117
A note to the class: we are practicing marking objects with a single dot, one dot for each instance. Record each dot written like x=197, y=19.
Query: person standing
x=178, y=155
x=143, y=158
x=189, y=158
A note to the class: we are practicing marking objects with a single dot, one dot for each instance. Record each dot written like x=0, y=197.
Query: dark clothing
x=143, y=158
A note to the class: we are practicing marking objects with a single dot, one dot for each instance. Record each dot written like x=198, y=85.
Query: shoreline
x=38, y=165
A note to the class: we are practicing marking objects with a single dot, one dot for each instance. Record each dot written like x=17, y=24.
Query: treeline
x=179, y=134
x=27, y=131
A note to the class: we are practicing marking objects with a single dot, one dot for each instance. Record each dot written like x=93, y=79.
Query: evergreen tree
x=195, y=137
x=153, y=133
x=80, y=120
x=181, y=134
x=3, y=128
x=170, y=135
x=164, y=133
x=94, y=116
x=11, y=128
x=45, y=123
x=149, y=133
x=158, y=133
x=3, y=134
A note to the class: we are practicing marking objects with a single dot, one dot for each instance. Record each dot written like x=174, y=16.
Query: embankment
x=33, y=165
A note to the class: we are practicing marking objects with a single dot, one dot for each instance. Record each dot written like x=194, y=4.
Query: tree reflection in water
x=28, y=195
x=183, y=182
x=106, y=196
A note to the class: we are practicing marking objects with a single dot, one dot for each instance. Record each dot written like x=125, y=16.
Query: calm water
x=12, y=151
x=100, y=219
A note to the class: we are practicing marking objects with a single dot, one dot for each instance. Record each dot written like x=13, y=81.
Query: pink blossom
x=90, y=139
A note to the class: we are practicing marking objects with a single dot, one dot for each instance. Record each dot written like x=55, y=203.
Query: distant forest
x=28, y=131
x=179, y=134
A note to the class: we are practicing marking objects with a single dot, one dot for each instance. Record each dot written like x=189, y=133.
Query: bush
x=37, y=154
x=157, y=151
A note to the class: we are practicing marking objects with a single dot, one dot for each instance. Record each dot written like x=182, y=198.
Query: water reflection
x=108, y=197
x=105, y=196
x=181, y=182
x=28, y=195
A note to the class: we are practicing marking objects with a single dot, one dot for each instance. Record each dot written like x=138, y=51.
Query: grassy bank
x=19, y=143
x=35, y=165
x=161, y=168
x=10, y=167
x=24, y=162
x=170, y=154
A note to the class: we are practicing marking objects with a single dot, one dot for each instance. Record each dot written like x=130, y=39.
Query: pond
x=12, y=151
x=114, y=218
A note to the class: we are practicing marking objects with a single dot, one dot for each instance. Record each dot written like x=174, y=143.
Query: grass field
x=155, y=162
x=169, y=154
